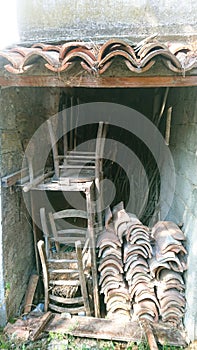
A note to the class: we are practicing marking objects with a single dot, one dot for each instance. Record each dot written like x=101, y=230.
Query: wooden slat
x=60, y=261
x=99, y=328
x=45, y=229
x=70, y=213
x=70, y=166
x=72, y=231
x=41, y=250
x=54, y=147
x=116, y=329
x=64, y=283
x=91, y=221
x=107, y=82
x=82, y=278
x=28, y=186
x=62, y=271
x=77, y=300
x=67, y=240
x=29, y=295
x=41, y=325
x=12, y=179
x=149, y=335
x=73, y=310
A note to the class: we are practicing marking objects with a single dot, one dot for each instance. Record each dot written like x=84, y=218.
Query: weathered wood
x=96, y=82
x=149, y=335
x=54, y=148
x=91, y=221
x=40, y=245
x=114, y=329
x=70, y=213
x=28, y=186
x=168, y=126
x=62, y=271
x=99, y=328
x=45, y=230
x=77, y=300
x=13, y=179
x=84, y=291
x=29, y=295
x=64, y=283
x=73, y=310
x=41, y=326
x=35, y=232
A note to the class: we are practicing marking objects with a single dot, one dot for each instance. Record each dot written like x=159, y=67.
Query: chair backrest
x=66, y=227
x=74, y=158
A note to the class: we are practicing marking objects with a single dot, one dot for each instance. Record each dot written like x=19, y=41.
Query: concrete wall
x=21, y=113
x=183, y=146
x=55, y=20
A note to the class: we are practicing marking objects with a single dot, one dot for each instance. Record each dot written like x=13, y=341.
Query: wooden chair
x=61, y=236
x=65, y=282
x=80, y=166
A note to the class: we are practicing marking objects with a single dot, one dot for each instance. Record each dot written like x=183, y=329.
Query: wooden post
x=35, y=235
x=149, y=335
x=91, y=221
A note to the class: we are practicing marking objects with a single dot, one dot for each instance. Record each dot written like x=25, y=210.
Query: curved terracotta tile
x=111, y=262
x=153, y=46
x=13, y=70
x=110, y=251
x=167, y=276
x=119, y=53
x=109, y=270
x=109, y=286
x=67, y=47
x=119, y=305
x=117, y=292
x=139, y=69
x=106, y=47
x=16, y=59
x=162, y=226
x=105, y=278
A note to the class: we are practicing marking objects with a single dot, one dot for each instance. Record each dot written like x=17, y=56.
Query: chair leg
x=82, y=278
x=93, y=253
x=42, y=254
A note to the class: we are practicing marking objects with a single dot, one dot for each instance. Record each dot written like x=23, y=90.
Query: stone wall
x=183, y=146
x=56, y=20
x=22, y=111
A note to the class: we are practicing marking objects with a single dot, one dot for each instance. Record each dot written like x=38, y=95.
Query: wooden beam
x=12, y=179
x=119, y=329
x=99, y=82
x=40, y=326
x=30, y=293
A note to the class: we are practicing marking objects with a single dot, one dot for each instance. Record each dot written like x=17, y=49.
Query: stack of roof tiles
x=136, y=251
x=140, y=273
x=138, y=58
x=111, y=274
x=169, y=264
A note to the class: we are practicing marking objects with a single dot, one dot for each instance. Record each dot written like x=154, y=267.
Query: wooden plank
x=41, y=325
x=118, y=329
x=28, y=186
x=12, y=179
x=91, y=222
x=29, y=295
x=149, y=335
x=98, y=82
x=99, y=328
x=73, y=310
x=40, y=246
x=82, y=278
x=64, y=283
x=77, y=300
